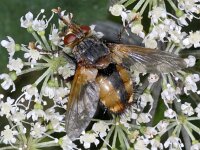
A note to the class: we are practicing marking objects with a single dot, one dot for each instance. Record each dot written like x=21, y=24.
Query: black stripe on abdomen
x=118, y=85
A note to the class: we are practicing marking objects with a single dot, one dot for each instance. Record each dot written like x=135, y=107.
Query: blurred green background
x=85, y=12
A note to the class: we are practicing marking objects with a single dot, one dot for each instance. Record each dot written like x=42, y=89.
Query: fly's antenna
x=67, y=20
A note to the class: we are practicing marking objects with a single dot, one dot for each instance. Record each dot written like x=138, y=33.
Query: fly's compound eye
x=85, y=29
x=70, y=38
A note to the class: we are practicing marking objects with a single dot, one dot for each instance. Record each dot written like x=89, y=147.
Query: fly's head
x=74, y=33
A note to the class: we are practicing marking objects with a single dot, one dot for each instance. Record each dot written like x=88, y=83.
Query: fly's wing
x=145, y=60
x=83, y=100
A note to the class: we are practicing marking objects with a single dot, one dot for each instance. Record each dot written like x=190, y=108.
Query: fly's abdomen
x=116, y=88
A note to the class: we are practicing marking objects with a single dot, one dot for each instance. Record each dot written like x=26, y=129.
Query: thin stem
x=122, y=144
x=139, y=4
x=173, y=5
x=144, y=7
x=114, y=139
x=47, y=144
x=46, y=42
x=193, y=127
x=108, y=136
x=124, y=138
x=42, y=76
x=31, y=70
x=38, y=39
x=129, y=3
x=189, y=132
x=193, y=118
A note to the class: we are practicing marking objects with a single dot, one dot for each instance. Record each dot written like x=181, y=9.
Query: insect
x=102, y=73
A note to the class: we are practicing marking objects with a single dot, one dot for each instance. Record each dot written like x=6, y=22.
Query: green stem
x=46, y=144
x=169, y=128
x=176, y=129
x=144, y=7
x=9, y=147
x=108, y=136
x=124, y=138
x=36, y=64
x=114, y=139
x=129, y=3
x=139, y=4
x=38, y=39
x=30, y=70
x=122, y=144
x=48, y=71
x=46, y=43
x=173, y=5
x=193, y=118
x=189, y=132
x=193, y=127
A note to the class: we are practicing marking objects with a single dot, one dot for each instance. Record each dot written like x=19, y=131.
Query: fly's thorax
x=90, y=51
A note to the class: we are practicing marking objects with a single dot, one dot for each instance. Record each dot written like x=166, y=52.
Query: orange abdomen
x=116, y=88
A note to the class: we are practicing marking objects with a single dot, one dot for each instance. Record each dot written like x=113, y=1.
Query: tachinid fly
x=102, y=73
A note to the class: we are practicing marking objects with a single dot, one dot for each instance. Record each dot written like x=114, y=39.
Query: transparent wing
x=83, y=100
x=145, y=59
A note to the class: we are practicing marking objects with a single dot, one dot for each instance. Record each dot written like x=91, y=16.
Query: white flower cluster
x=32, y=115
x=173, y=98
x=163, y=115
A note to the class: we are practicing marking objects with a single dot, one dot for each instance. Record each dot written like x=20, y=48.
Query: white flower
x=61, y=93
x=88, y=138
x=67, y=70
x=7, y=107
x=54, y=37
x=116, y=10
x=192, y=39
x=35, y=114
x=33, y=55
x=39, y=25
x=141, y=144
x=145, y=98
x=195, y=146
x=66, y=143
x=56, y=123
x=8, y=135
x=7, y=82
x=9, y=45
x=197, y=110
x=155, y=144
x=138, y=30
x=55, y=119
x=169, y=113
x=152, y=78
x=190, y=61
x=15, y=64
x=49, y=91
x=100, y=128
x=162, y=126
x=18, y=115
x=37, y=130
x=150, y=132
x=150, y=43
x=30, y=91
x=143, y=118
x=27, y=22
x=187, y=109
x=190, y=83
x=157, y=13
x=168, y=94
x=173, y=142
